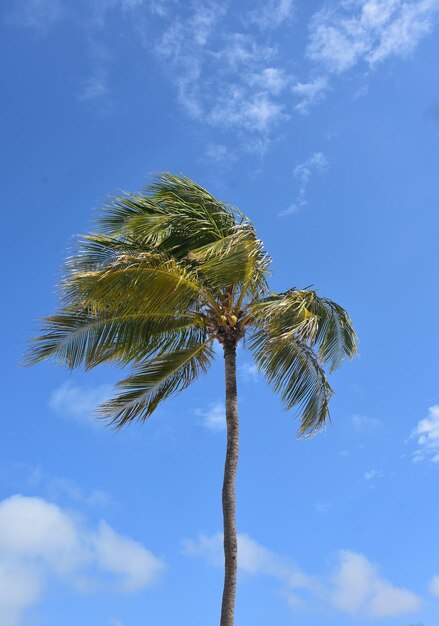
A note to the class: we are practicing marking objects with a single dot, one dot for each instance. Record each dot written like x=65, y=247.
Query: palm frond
x=319, y=322
x=147, y=283
x=238, y=259
x=293, y=370
x=156, y=380
x=173, y=214
x=77, y=338
x=98, y=251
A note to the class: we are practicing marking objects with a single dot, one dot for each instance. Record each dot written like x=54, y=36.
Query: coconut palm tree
x=171, y=271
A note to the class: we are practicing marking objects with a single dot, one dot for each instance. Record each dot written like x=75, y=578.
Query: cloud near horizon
x=40, y=541
x=354, y=586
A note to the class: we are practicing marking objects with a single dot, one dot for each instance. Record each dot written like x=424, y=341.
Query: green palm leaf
x=149, y=283
x=293, y=370
x=319, y=322
x=155, y=380
x=74, y=337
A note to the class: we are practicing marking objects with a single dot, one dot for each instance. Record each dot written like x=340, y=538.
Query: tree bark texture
x=228, y=495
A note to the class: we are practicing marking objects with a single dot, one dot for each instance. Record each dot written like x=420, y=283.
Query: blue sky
x=320, y=120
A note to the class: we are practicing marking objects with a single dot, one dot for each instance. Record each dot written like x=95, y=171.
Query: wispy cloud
x=427, y=436
x=273, y=13
x=373, y=474
x=224, y=78
x=365, y=424
x=348, y=33
x=354, y=586
x=249, y=372
x=78, y=403
x=434, y=586
x=220, y=154
x=57, y=544
x=303, y=172
x=310, y=93
x=214, y=417
x=231, y=68
x=368, y=31
x=94, y=87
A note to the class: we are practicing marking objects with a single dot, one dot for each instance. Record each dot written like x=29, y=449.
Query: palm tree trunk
x=228, y=497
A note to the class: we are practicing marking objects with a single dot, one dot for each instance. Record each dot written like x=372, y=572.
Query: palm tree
x=172, y=270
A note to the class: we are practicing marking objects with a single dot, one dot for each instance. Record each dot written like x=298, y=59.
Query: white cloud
x=224, y=78
x=220, y=155
x=237, y=107
x=368, y=31
x=136, y=567
x=310, y=93
x=348, y=33
x=273, y=13
x=20, y=587
x=359, y=589
x=228, y=69
x=269, y=79
x=249, y=372
x=94, y=87
x=355, y=586
x=78, y=403
x=253, y=559
x=214, y=418
x=427, y=435
x=372, y=474
x=39, y=541
x=303, y=172
x=434, y=586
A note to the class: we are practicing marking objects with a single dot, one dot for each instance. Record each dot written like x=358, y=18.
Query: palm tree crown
x=172, y=270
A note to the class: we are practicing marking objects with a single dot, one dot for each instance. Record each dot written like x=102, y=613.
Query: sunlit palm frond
x=156, y=380
x=238, y=259
x=146, y=283
x=181, y=195
x=335, y=338
x=97, y=251
x=293, y=370
x=172, y=214
x=304, y=316
x=81, y=337
x=121, y=210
